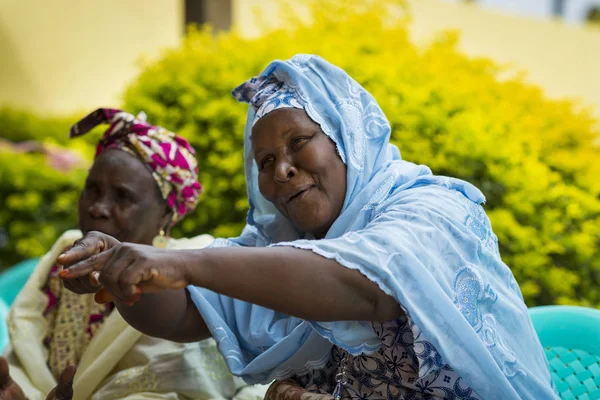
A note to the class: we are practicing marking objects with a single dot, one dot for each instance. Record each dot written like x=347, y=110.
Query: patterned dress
x=405, y=367
x=73, y=320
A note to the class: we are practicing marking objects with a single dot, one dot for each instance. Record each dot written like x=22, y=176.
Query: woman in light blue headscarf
x=358, y=274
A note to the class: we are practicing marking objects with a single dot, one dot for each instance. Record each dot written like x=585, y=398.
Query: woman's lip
x=299, y=195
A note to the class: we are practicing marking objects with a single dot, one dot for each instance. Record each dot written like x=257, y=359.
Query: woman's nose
x=285, y=171
x=99, y=209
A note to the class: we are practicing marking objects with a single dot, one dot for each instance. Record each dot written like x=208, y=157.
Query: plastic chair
x=3, y=327
x=571, y=339
x=14, y=278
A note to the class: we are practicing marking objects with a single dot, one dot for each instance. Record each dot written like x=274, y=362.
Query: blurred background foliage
x=536, y=160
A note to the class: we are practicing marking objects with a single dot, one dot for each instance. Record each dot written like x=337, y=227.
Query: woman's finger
x=111, y=276
x=64, y=389
x=103, y=296
x=136, y=280
x=133, y=276
x=82, y=285
x=92, y=243
x=74, y=286
x=88, y=265
x=166, y=282
x=82, y=249
x=93, y=277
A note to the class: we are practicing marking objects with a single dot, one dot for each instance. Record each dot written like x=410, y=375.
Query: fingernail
x=102, y=297
x=64, y=274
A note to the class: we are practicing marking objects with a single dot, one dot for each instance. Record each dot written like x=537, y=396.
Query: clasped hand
x=120, y=271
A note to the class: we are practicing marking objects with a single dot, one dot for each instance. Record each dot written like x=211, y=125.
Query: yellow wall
x=59, y=56
x=564, y=60
x=73, y=55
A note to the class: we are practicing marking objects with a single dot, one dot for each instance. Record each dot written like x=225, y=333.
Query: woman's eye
x=265, y=162
x=297, y=141
x=122, y=195
x=90, y=187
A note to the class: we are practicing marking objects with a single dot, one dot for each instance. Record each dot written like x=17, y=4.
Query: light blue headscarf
x=424, y=239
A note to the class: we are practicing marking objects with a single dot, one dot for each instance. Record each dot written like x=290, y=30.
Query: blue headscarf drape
x=423, y=239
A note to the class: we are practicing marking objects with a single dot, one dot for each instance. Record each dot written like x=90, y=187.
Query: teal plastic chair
x=3, y=328
x=14, y=278
x=12, y=281
x=571, y=340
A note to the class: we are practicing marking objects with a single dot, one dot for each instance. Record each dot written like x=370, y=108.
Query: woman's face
x=300, y=171
x=121, y=199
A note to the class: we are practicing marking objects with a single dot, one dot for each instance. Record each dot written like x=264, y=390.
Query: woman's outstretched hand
x=94, y=243
x=124, y=270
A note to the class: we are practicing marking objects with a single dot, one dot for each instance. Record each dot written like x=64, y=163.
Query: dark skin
x=120, y=198
x=302, y=166
x=297, y=172
x=9, y=390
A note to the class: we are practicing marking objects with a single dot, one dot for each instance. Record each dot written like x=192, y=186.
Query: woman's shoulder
x=427, y=201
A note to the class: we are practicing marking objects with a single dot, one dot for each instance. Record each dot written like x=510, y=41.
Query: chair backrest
x=14, y=278
x=3, y=328
x=571, y=339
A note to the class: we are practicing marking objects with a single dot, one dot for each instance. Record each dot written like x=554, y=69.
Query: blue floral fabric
x=405, y=367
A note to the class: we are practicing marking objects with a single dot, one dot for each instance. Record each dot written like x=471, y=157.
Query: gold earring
x=160, y=240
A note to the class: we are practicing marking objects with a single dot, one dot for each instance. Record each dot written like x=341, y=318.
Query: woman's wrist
x=193, y=264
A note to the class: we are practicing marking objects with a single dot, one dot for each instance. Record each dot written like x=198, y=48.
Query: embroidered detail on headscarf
x=266, y=95
x=470, y=292
x=352, y=113
x=477, y=222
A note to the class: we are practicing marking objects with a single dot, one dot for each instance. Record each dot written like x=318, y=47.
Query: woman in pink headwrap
x=144, y=179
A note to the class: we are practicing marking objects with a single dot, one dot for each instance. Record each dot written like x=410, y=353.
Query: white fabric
x=120, y=362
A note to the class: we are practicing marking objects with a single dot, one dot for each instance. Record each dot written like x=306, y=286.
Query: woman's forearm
x=167, y=315
x=293, y=281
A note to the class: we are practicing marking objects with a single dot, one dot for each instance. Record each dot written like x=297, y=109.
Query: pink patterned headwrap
x=170, y=157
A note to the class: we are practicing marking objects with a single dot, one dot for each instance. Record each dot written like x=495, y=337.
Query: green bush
x=536, y=160
x=37, y=202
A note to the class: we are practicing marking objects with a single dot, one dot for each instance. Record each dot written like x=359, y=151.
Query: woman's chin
x=99, y=228
x=312, y=227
